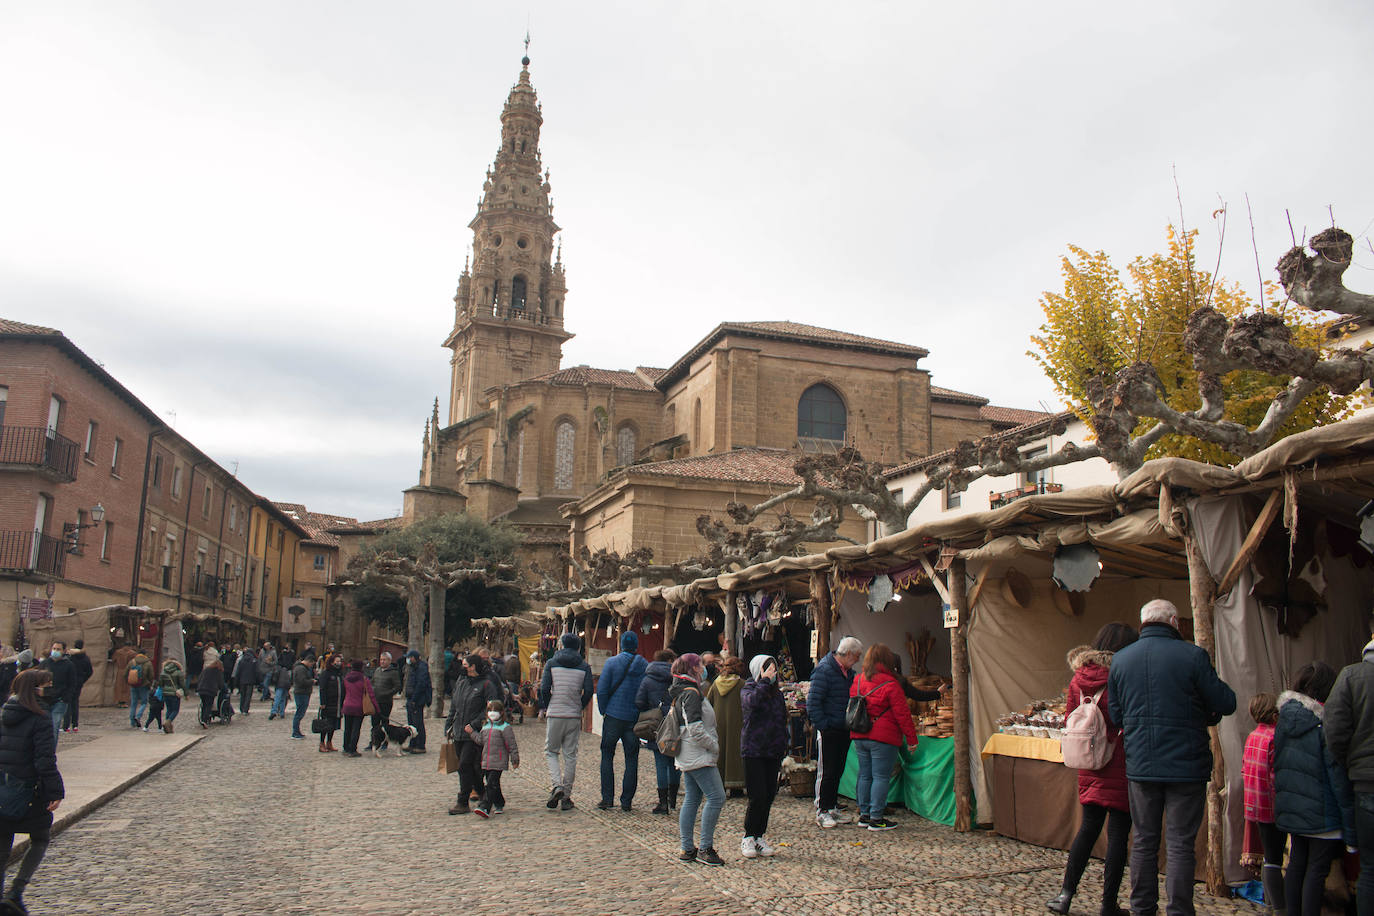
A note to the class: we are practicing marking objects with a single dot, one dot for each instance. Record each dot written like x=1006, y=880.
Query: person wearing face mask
x=28, y=758
x=63, y=683
x=472, y=695
x=763, y=743
x=499, y=751
x=419, y=693
x=331, y=701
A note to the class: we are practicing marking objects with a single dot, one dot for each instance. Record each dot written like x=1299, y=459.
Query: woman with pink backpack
x=1101, y=792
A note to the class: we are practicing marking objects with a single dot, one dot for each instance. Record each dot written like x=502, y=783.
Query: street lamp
x=71, y=533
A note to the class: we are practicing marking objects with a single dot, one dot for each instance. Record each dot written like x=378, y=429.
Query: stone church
x=624, y=458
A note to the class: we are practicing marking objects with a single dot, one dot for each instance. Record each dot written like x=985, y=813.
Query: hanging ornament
x=879, y=593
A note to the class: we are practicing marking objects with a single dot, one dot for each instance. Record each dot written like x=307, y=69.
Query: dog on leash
x=392, y=735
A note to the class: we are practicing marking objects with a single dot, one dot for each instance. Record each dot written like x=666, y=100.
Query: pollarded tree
x=462, y=565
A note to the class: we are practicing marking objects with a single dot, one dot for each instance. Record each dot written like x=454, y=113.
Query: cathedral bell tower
x=508, y=316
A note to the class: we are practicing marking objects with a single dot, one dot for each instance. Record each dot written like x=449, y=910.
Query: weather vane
x=527, y=45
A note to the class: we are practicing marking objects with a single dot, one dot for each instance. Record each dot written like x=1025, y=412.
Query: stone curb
x=71, y=816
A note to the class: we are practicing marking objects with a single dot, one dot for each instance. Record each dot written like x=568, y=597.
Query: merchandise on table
x=934, y=718
x=1040, y=719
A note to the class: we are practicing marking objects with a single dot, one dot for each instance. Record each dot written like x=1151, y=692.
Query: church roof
x=586, y=375
x=959, y=397
x=750, y=465
x=10, y=326
x=788, y=330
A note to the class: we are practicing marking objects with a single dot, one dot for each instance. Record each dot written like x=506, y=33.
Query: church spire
x=512, y=281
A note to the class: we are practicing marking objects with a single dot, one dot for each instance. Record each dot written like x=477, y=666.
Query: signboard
x=35, y=608
x=815, y=643
x=951, y=617
x=295, y=615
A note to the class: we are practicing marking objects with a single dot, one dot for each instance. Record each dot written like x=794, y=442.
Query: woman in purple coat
x=763, y=742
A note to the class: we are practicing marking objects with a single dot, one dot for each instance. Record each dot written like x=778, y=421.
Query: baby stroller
x=223, y=707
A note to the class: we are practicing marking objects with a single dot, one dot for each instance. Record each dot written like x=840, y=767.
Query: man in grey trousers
x=564, y=691
x=1165, y=693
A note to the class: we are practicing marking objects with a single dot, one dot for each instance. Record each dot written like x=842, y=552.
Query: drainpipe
x=142, y=517
x=186, y=532
x=219, y=545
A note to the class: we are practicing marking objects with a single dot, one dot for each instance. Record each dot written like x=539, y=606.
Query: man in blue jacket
x=1165, y=693
x=615, y=697
x=419, y=693
x=826, y=700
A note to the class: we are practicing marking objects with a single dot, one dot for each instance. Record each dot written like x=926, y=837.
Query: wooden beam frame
x=935, y=578
x=1251, y=543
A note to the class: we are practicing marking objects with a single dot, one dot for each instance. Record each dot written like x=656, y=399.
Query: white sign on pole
x=951, y=616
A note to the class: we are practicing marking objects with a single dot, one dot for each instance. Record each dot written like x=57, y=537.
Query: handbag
x=856, y=717
x=448, y=758
x=16, y=795
x=368, y=708
x=158, y=693
x=319, y=725
x=646, y=726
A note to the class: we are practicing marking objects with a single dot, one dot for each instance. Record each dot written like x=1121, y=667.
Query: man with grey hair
x=386, y=683
x=1165, y=693
x=825, y=705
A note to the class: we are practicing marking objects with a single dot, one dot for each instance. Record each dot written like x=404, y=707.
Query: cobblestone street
x=248, y=821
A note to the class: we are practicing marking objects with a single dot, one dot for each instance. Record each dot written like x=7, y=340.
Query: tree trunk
x=820, y=611
x=731, y=623
x=436, y=647
x=958, y=652
x=1202, y=593
x=415, y=617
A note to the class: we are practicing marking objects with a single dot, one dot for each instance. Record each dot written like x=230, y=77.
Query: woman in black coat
x=466, y=716
x=210, y=683
x=331, y=701
x=28, y=756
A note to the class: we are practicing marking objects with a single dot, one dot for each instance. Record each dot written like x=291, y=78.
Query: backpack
x=135, y=675
x=1085, y=743
x=669, y=736
x=856, y=717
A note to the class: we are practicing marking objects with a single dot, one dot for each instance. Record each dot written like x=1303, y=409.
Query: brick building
x=525, y=436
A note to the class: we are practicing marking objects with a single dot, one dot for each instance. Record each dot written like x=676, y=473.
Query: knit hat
x=356, y=664
x=629, y=642
x=412, y=654
x=570, y=641
x=757, y=665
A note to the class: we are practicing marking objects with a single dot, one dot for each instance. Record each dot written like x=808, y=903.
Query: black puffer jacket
x=28, y=749
x=1350, y=721
x=470, y=698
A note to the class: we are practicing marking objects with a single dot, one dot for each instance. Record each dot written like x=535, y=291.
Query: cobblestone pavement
x=249, y=821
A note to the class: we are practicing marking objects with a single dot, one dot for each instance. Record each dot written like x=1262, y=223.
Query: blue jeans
x=665, y=768
x=302, y=703
x=703, y=782
x=619, y=731
x=59, y=709
x=267, y=683
x=875, y=775
x=172, y=705
x=138, y=703
x=279, y=703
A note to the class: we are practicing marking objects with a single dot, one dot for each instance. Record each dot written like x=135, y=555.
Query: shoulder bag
x=16, y=795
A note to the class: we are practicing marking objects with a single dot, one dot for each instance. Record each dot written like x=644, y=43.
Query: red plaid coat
x=1257, y=771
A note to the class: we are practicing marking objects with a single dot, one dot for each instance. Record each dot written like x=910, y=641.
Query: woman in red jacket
x=877, y=747
x=1101, y=793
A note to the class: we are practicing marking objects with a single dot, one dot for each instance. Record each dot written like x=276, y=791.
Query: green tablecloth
x=924, y=781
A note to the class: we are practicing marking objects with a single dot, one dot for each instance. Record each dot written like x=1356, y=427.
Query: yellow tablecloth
x=1023, y=746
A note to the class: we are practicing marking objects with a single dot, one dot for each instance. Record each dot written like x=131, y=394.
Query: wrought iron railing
x=1035, y=488
x=29, y=551
x=37, y=446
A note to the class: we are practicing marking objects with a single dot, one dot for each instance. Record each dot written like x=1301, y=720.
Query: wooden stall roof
x=1128, y=522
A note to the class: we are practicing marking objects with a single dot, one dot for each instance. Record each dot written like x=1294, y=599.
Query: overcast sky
x=254, y=214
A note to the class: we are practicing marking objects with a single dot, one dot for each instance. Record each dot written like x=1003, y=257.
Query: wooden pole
x=820, y=611
x=1202, y=594
x=731, y=621
x=669, y=619
x=958, y=652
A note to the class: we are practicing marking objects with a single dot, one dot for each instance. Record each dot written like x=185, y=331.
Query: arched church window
x=565, y=442
x=517, y=292
x=821, y=414
x=696, y=426
x=520, y=459
x=625, y=446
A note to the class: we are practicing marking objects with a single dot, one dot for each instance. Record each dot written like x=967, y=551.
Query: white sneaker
x=145, y=728
x=826, y=819
x=764, y=847
x=840, y=817
x=748, y=847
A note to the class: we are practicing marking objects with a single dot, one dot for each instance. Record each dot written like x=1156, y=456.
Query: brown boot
x=168, y=728
x=329, y=745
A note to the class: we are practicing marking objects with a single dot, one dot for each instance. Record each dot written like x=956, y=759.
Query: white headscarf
x=757, y=665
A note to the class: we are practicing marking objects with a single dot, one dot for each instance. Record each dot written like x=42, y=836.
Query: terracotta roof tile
x=949, y=394
x=586, y=375
x=10, y=326
x=318, y=525
x=750, y=465
x=1013, y=416
x=1042, y=419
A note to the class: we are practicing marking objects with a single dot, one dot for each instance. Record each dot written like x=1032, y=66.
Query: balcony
x=29, y=552
x=1036, y=488
x=215, y=588
x=35, y=448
